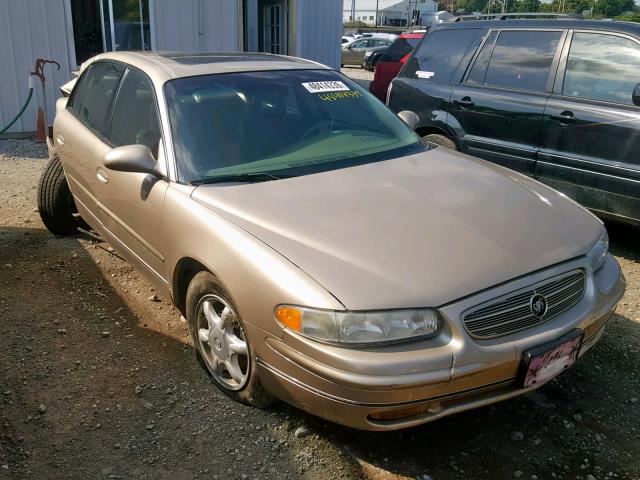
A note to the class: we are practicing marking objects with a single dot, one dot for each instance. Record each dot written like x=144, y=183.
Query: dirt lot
x=97, y=381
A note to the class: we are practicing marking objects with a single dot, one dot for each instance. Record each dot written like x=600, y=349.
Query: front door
x=272, y=30
x=591, y=134
x=499, y=106
x=133, y=203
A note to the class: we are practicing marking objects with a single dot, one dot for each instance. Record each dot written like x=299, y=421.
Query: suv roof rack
x=515, y=16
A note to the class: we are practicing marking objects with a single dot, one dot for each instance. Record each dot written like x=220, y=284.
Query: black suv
x=556, y=99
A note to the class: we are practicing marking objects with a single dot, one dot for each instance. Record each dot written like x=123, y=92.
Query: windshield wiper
x=240, y=177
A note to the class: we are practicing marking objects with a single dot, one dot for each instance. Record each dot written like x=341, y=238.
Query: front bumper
x=410, y=384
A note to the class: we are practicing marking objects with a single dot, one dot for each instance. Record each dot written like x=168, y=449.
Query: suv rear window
x=522, y=59
x=440, y=54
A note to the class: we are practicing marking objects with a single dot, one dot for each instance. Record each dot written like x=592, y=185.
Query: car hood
x=420, y=230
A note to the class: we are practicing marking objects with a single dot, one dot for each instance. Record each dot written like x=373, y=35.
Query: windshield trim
x=299, y=171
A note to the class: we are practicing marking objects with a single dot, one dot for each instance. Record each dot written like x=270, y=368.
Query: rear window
x=96, y=90
x=440, y=54
x=399, y=49
x=522, y=59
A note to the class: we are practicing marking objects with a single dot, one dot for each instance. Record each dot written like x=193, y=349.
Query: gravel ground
x=98, y=381
x=357, y=73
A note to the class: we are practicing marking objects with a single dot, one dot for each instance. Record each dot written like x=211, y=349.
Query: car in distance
x=319, y=251
x=558, y=100
x=353, y=53
x=390, y=61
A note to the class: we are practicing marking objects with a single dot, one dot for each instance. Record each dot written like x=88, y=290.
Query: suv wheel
x=441, y=140
x=55, y=203
x=221, y=344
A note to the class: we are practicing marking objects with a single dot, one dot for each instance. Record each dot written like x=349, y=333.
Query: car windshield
x=289, y=122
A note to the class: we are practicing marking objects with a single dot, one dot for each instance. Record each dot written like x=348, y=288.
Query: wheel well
x=429, y=130
x=185, y=270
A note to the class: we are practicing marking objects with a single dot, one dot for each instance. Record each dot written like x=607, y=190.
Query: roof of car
x=610, y=26
x=163, y=66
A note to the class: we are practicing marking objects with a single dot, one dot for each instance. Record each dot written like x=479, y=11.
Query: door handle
x=60, y=139
x=464, y=102
x=564, y=117
x=101, y=175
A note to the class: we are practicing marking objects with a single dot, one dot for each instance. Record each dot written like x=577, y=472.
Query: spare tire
x=55, y=203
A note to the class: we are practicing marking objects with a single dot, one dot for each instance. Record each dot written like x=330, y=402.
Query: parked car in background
x=318, y=250
x=353, y=53
x=558, y=100
x=389, y=62
x=371, y=59
x=346, y=39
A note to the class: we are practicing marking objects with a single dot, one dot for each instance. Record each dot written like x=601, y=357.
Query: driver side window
x=135, y=113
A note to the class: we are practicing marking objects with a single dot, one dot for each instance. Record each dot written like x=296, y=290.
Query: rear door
x=497, y=110
x=80, y=134
x=591, y=132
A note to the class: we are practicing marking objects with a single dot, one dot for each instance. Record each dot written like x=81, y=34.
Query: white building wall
x=195, y=25
x=318, y=30
x=31, y=29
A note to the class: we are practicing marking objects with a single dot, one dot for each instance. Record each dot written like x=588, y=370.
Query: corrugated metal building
x=70, y=31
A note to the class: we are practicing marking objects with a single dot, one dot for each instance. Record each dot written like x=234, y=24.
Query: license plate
x=546, y=361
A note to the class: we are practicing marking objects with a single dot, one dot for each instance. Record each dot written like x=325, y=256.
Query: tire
x=441, y=140
x=206, y=293
x=55, y=203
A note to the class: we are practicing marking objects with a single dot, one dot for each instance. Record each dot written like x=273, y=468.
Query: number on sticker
x=321, y=87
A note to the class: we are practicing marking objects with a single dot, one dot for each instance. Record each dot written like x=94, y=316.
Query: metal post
x=104, y=34
x=112, y=26
x=377, y=5
x=141, y=26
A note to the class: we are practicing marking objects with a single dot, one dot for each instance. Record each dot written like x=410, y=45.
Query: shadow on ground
x=92, y=387
x=89, y=388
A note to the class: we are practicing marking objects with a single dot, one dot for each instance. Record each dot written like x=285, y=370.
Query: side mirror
x=409, y=117
x=130, y=158
x=635, y=96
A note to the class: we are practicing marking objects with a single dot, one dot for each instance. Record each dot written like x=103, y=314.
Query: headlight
x=353, y=328
x=367, y=54
x=598, y=252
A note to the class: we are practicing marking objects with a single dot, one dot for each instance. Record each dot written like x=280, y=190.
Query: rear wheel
x=55, y=203
x=441, y=140
x=221, y=344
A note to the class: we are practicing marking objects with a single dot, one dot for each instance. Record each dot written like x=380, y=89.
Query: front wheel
x=221, y=344
x=55, y=203
x=441, y=140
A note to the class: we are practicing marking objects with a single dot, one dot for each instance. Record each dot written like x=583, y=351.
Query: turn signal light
x=290, y=317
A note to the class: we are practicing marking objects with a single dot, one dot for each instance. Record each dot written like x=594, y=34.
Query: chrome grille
x=512, y=312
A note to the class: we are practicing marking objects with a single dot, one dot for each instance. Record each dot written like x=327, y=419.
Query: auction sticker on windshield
x=322, y=87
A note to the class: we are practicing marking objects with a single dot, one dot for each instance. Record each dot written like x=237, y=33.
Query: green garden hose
x=24, y=107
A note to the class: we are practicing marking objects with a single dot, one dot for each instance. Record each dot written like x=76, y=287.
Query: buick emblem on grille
x=538, y=305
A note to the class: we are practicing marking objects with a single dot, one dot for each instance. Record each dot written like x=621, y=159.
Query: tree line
x=618, y=9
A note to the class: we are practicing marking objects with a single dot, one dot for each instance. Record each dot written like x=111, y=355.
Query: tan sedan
x=319, y=251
